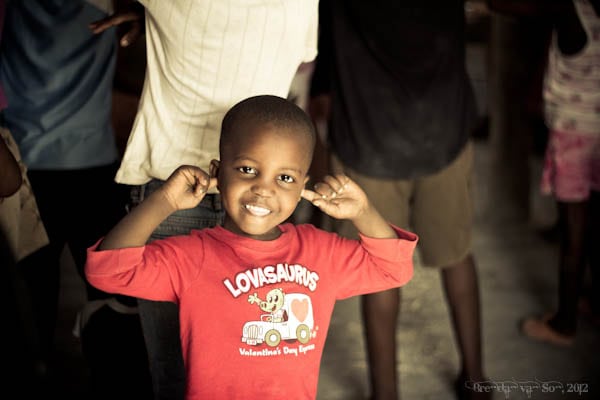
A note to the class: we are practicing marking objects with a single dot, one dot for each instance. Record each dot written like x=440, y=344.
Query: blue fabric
x=57, y=77
x=2, y=9
x=160, y=320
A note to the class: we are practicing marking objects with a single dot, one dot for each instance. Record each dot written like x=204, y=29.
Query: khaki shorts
x=438, y=208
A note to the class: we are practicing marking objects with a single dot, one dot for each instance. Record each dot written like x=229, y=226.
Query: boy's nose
x=263, y=187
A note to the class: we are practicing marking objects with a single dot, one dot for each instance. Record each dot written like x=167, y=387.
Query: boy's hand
x=339, y=197
x=186, y=187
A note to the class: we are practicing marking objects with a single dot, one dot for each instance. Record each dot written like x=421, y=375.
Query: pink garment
x=572, y=166
x=572, y=105
x=230, y=290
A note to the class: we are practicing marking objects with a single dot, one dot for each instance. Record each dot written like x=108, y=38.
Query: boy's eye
x=247, y=170
x=286, y=178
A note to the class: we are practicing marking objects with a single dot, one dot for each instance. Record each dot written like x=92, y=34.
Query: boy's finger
x=202, y=185
x=315, y=198
x=332, y=187
x=212, y=183
x=309, y=195
x=341, y=182
x=324, y=190
x=343, y=178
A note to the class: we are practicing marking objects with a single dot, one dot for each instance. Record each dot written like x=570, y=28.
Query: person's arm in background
x=10, y=172
x=128, y=16
x=570, y=33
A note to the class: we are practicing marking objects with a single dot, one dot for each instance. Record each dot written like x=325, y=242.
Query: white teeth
x=257, y=211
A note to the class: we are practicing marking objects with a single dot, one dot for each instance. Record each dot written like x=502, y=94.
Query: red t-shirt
x=254, y=314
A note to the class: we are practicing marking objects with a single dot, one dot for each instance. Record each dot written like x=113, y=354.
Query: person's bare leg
x=594, y=253
x=461, y=287
x=380, y=315
x=559, y=328
x=573, y=220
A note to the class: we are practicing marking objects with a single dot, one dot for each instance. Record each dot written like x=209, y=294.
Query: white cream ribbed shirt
x=203, y=56
x=572, y=82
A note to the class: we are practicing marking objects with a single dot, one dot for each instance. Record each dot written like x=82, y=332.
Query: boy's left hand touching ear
x=187, y=186
x=338, y=196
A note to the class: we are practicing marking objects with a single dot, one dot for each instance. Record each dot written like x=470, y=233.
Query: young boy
x=255, y=295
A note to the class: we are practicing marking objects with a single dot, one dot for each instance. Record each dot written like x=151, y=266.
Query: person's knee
x=464, y=262
x=385, y=302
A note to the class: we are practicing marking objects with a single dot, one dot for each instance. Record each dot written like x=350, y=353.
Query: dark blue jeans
x=160, y=320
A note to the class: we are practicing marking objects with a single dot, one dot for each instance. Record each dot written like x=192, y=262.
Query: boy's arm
x=184, y=189
x=371, y=223
x=340, y=197
x=135, y=228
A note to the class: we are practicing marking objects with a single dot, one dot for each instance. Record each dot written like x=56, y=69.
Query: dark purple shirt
x=402, y=102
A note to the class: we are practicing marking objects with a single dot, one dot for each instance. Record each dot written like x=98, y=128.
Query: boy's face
x=260, y=177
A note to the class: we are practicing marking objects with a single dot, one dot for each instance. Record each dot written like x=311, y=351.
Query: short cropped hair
x=265, y=109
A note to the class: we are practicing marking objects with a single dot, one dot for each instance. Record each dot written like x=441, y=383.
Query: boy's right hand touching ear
x=186, y=187
x=339, y=197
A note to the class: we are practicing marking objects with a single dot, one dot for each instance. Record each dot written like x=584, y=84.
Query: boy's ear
x=306, y=179
x=213, y=169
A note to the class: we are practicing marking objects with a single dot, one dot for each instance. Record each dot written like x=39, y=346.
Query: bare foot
x=538, y=328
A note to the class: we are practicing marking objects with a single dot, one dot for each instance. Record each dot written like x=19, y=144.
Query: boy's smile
x=257, y=210
x=261, y=176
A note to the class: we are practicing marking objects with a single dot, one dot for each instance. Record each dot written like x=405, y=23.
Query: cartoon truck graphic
x=297, y=324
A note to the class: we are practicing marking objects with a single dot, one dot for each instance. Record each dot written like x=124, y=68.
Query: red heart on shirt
x=300, y=309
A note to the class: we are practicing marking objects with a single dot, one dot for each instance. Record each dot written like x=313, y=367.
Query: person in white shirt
x=203, y=56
